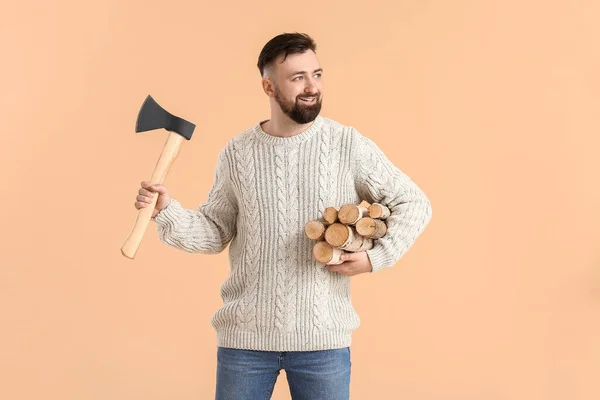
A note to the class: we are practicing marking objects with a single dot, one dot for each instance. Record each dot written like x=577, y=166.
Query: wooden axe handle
x=166, y=159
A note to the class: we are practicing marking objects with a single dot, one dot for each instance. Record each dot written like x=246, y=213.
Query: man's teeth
x=307, y=98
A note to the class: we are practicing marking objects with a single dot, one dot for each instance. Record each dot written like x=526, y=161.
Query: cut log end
x=315, y=229
x=349, y=214
x=337, y=234
x=371, y=228
x=324, y=253
x=364, y=204
x=378, y=211
x=330, y=215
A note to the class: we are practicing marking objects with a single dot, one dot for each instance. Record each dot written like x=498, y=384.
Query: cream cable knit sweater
x=277, y=297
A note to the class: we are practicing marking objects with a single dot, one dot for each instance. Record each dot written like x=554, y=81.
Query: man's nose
x=311, y=86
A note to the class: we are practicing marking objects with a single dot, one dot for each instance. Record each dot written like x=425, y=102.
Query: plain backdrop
x=492, y=107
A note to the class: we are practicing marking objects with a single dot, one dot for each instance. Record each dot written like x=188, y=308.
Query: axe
x=152, y=116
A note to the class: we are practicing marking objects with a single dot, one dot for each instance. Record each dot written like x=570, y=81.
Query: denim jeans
x=311, y=375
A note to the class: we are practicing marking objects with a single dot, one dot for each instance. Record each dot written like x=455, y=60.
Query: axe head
x=153, y=116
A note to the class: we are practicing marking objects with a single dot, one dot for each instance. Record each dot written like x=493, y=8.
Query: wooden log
x=371, y=227
x=345, y=237
x=379, y=211
x=325, y=253
x=330, y=215
x=358, y=243
x=364, y=204
x=337, y=234
x=315, y=229
x=349, y=214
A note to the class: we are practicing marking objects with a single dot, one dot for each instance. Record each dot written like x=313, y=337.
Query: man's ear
x=267, y=85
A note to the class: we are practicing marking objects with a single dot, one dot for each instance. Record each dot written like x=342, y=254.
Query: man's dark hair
x=287, y=43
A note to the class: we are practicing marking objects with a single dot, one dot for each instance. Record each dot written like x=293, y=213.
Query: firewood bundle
x=350, y=228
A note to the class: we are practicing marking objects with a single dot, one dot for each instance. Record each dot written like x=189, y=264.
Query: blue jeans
x=311, y=375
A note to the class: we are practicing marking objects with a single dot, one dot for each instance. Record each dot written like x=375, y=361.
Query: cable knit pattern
x=293, y=239
x=246, y=311
x=334, y=162
x=283, y=232
x=277, y=297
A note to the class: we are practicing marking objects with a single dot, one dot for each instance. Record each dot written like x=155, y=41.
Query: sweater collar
x=291, y=140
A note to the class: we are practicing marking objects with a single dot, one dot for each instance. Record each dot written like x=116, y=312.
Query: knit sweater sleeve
x=207, y=229
x=378, y=180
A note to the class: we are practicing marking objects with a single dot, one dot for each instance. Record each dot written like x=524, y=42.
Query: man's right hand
x=147, y=193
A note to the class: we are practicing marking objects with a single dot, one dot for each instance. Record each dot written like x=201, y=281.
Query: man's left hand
x=354, y=263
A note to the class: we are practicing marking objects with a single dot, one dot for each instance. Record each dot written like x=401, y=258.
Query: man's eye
x=300, y=77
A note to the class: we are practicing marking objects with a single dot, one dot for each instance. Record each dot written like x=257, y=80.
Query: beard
x=295, y=110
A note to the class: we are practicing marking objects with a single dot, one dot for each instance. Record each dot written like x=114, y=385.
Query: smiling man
x=282, y=309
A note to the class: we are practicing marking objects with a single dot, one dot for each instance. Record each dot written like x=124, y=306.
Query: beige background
x=490, y=106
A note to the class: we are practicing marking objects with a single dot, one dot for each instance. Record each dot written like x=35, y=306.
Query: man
x=282, y=309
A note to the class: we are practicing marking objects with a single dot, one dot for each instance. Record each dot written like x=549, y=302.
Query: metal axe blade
x=152, y=116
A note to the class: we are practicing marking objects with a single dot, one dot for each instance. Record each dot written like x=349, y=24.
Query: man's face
x=298, y=86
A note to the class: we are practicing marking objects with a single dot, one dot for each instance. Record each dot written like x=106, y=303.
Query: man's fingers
x=147, y=193
x=146, y=199
x=157, y=188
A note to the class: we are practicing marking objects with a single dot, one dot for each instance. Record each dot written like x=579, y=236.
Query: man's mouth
x=308, y=100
